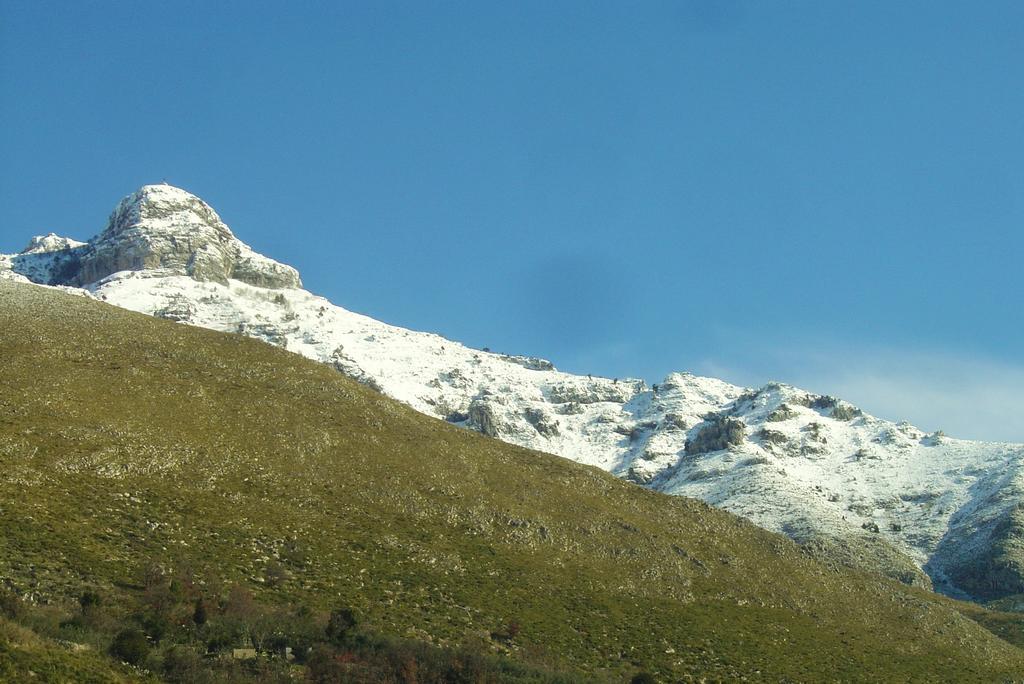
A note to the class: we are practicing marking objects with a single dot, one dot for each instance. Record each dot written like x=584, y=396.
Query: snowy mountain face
x=852, y=488
x=160, y=230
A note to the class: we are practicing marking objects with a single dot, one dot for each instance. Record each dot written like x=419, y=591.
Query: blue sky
x=825, y=193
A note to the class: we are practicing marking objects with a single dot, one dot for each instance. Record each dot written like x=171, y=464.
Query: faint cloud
x=963, y=395
x=984, y=406
x=575, y=300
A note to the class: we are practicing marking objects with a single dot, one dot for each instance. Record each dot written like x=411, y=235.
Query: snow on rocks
x=158, y=227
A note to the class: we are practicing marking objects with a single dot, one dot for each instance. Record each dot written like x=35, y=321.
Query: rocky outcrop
x=482, y=417
x=51, y=242
x=994, y=567
x=260, y=271
x=530, y=362
x=542, y=422
x=593, y=391
x=343, y=364
x=48, y=259
x=166, y=228
x=717, y=432
x=867, y=551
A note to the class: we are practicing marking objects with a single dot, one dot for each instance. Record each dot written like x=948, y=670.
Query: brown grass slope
x=126, y=440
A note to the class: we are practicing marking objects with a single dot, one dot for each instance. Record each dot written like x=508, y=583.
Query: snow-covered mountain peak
x=164, y=209
x=167, y=228
x=158, y=228
x=51, y=242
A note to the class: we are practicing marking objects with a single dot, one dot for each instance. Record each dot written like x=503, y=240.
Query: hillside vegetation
x=134, y=448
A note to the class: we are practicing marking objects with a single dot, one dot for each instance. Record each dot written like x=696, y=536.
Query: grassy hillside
x=25, y=656
x=131, y=446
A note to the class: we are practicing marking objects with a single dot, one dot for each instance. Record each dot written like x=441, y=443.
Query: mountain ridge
x=924, y=508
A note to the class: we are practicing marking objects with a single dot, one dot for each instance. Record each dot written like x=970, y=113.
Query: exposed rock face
x=51, y=242
x=531, y=362
x=341, y=362
x=582, y=392
x=867, y=551
x=47, y=259
x=482, y=417
x=163, y=227
x=718, y=432
x=983, y=554
x=542, y=422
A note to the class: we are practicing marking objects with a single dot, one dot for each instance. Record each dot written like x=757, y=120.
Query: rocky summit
x=156, y=228
x=853, y=489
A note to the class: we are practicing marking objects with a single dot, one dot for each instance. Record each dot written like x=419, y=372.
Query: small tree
x=130, y=646
x=152, y=575
x=513, y=628
x=341, y=622
x=89, y=600
x=240, y=604
x=93, y=616
x=11, y=605
x=324, y=667
x=274, y=574
x=199, y=614
x=182, y=664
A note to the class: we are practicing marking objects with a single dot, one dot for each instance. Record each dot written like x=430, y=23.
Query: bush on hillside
x=182, y=664
x=199, y=615
x=130, y=646
x=340, y=625
x=11, y=605
x=88, y=600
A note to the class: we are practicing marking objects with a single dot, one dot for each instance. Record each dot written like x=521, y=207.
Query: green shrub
x=11, y=605
x=182, y=664
x=324, y=666
x=88, y=600
x=467, y=667
x=130, y=646
x=300, y=630
x=340, y=625
x=222, y=635
x=199, y=614
x=274, y=574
